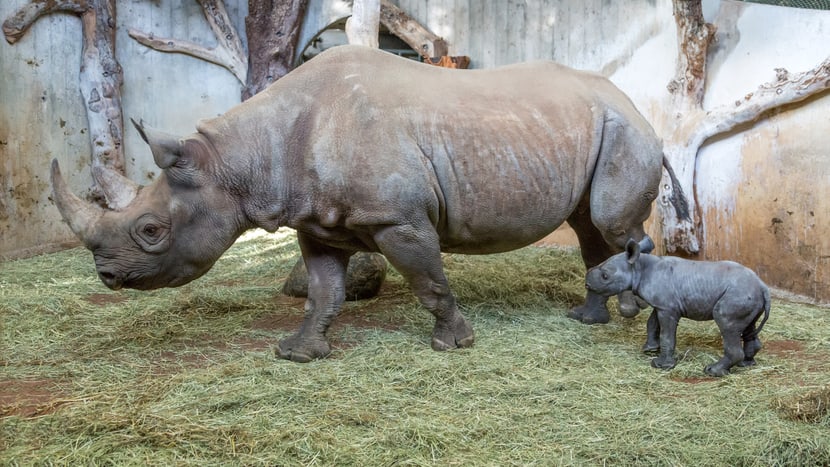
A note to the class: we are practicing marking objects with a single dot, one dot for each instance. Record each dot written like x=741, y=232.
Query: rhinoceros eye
x=604, y=276
x=151, y=233
x=151, y=230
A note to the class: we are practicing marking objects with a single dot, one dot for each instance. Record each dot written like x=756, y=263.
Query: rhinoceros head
x=617, y=273
x=161, y=235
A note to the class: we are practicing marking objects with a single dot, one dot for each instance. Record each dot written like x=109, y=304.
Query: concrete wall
x=763, y=188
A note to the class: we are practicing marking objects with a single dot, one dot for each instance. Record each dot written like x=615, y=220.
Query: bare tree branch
x=421, y=39
x=16, y=25
x=688, y=126
x=785, y=90
x=229, y=53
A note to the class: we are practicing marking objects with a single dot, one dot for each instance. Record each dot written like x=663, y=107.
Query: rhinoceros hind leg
x=751, y=347
x=594, y=311
x=733, y=354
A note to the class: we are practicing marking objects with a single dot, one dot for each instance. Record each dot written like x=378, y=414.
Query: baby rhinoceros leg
x=667, y=325
x=732, y=326
x=732, y=355
x=652, y=344
x=751, y=345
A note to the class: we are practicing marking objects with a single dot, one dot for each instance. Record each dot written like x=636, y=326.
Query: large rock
x=364, y=277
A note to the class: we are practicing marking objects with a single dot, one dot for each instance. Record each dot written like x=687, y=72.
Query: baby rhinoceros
x=724, y=291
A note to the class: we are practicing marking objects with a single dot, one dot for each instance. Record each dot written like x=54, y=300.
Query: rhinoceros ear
x=166, y=148
x=632, y=251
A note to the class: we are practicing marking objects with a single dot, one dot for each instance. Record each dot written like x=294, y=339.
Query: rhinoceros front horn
x=79, y=214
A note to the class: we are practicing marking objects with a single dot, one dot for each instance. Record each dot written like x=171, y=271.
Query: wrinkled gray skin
x=360, y=150
x=724, y=291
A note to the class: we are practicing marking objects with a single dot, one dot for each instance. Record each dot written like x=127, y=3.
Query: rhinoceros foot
x=590, y=315
x=300, y=349
x=649, y=348
x=716, y=370
x=663, y=363
x=452, y=334
x=630, y=304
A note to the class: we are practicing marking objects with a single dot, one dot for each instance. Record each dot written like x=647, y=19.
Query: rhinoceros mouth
x=111, y=280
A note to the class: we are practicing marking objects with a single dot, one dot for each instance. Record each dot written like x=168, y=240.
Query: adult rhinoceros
x=360, y=150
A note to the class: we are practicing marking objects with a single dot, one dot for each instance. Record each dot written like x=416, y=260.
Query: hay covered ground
x=188, y=376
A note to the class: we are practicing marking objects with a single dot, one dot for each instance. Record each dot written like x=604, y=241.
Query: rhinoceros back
x=498, y=157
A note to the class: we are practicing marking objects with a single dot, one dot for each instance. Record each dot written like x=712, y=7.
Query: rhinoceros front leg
x=668, y=339
x=415, y=253
x=326, y=292
x=594, y=311
x=594, y=251
x=652, y=344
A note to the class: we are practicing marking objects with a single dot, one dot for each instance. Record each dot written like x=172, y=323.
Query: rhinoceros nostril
x=110, y=279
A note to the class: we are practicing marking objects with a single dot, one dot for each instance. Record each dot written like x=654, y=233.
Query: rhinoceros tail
x=766, y=312
x=678, y=198
x=764, y=319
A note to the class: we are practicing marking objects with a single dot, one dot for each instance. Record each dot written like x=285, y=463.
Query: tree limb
x=785, y=90
x=229, y=52
x=16, y=25
x=421, y=39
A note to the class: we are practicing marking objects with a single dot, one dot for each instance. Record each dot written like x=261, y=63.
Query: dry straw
x=188, y=376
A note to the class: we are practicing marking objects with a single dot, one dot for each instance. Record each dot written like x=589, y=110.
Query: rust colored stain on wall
x=779, y=214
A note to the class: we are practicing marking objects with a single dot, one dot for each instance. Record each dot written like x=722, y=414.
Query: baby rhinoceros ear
x=632, y=251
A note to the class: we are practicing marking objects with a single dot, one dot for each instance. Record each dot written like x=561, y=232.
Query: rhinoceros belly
x=506, y=201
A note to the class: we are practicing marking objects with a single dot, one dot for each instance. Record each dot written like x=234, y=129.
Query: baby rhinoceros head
x=617, y=273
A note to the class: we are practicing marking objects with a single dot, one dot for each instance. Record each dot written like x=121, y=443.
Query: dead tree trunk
x=273, y=29
x=100, y=77
x=362, y=27
x=688, y=126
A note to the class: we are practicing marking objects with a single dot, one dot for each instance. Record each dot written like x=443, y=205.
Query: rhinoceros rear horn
x=79, y=214
x=118, y=189
x=166, y=148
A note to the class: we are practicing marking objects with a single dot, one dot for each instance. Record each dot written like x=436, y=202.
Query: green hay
x=188, y=376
